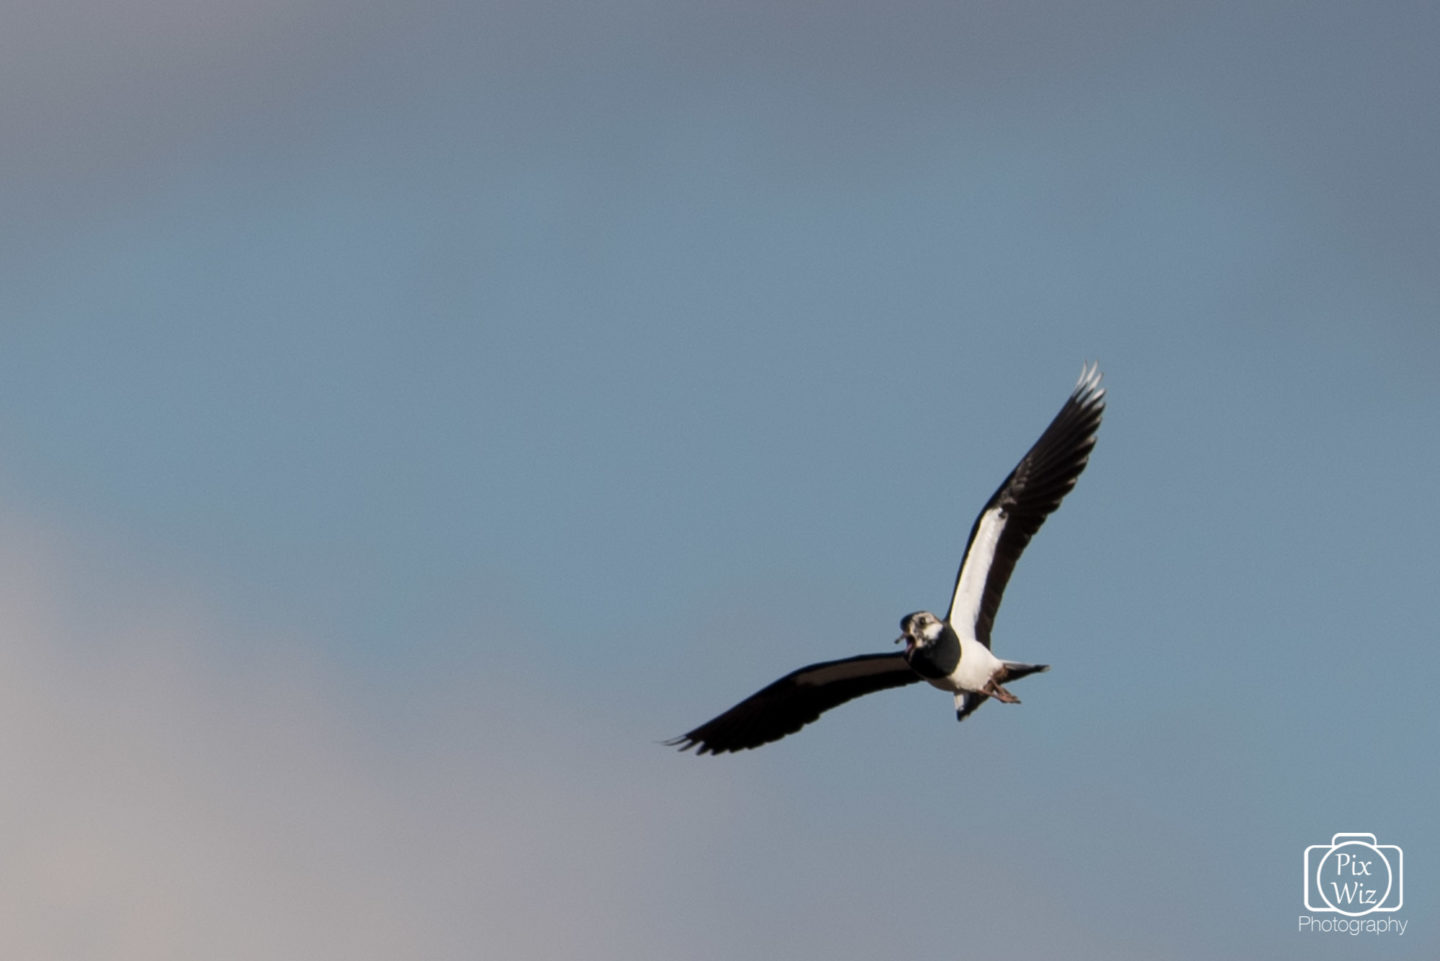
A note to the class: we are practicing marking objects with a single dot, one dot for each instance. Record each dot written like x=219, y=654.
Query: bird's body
x=958, y=663
x=953, y=653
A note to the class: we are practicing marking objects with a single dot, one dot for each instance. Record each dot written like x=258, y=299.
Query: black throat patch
x=939, y=659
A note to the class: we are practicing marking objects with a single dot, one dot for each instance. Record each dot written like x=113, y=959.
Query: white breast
x=977, y=666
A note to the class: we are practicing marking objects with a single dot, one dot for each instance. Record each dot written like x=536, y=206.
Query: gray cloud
x=1327, y=111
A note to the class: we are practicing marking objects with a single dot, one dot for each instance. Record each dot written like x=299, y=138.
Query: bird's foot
x=1000, y=694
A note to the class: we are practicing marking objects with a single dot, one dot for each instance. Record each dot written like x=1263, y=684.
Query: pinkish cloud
x=178, y=789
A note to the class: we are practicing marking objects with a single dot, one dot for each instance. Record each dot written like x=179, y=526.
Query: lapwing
x=951, y=653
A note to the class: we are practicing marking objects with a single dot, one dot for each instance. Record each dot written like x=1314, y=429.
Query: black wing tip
x=699, y=745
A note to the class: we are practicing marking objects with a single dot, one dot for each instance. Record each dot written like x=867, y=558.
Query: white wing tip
x=1088, y=385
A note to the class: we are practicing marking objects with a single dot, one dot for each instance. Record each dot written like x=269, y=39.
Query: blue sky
x=408, y=417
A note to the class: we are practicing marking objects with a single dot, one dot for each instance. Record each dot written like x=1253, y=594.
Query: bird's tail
x=1014, y=670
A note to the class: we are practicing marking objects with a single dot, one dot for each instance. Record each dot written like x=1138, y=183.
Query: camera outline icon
x=1360, y=864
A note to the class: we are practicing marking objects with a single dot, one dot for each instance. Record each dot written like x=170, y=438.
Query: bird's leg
x=999, y=693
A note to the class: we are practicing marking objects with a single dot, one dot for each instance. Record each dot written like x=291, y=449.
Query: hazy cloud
x=170, y=797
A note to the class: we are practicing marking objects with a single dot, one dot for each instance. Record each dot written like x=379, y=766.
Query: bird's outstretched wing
x=795, y=700
x=1015, y=512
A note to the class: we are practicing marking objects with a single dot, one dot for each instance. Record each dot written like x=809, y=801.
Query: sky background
x=411, y=414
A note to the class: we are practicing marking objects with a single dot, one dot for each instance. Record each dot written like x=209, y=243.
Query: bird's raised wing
x=1015, y=512
x=795, y=700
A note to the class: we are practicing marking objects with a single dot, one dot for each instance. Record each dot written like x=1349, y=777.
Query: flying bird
x=952, y=653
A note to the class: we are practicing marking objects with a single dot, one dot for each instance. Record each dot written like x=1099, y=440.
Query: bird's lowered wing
x=795, y=700
x=1015, y=512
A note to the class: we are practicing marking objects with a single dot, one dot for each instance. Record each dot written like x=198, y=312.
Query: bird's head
x=921, y=630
